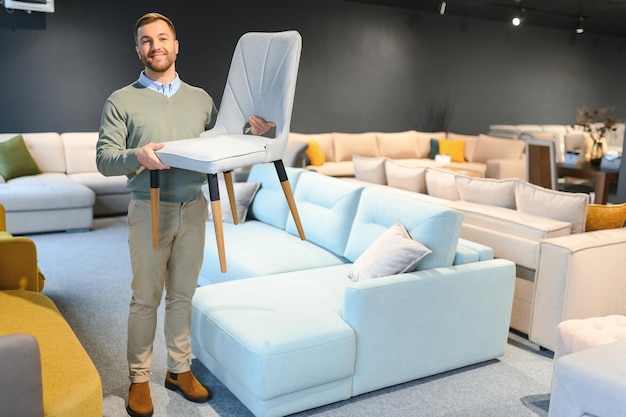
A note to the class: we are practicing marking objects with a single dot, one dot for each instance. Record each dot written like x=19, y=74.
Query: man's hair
x=149, y=18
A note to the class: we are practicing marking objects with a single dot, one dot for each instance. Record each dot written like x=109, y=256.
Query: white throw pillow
x=406, y=178
x=557, y=205
x=244, y=194
x=369, y=169
x=441, y=183
x=489, y=191
x=394, y=252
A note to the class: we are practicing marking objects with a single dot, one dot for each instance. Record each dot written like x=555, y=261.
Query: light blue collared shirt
x=166, y=89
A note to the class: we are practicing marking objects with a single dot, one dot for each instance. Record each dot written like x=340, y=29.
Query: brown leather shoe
x=139, y=400
x=188, y=385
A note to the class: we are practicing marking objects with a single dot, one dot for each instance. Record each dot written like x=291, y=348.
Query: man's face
x=156, y=46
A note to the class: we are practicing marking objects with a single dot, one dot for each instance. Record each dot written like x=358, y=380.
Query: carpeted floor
x=88, y=277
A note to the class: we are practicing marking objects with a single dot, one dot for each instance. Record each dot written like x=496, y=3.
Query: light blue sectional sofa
x=286, y=330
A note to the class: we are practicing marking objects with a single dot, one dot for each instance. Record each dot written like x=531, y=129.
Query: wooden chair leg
x=228, y=179
x=154, y=207
x=216, y=210
x=284, y=182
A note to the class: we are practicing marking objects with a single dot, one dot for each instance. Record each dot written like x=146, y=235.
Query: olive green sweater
x=134, y=116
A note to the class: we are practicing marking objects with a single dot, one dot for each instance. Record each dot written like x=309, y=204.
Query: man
x=159, y=107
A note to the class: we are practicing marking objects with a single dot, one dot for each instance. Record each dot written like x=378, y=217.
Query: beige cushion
x=404, y=177
x=423, y=140
x=487, y=191
x=394, y=252
x=491, y=147
x=80, y=151
x=348, y=144
x=369, y=169
x=558, y=205
x=578, y=334
x=398, y=144
x=441, y=183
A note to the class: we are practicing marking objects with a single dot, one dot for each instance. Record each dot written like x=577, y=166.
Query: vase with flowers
x=597, y=123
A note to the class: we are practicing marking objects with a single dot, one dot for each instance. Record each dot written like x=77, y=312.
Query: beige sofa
x=68, y=192
x=483, y=155
x=562, y=272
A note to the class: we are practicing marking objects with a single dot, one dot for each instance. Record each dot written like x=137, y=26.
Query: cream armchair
x=18, y=261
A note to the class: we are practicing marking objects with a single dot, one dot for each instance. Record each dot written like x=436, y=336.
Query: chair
x=261, y=81
x=541, y=167
x=18, y=261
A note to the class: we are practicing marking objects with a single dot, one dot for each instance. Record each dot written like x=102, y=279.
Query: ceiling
x=605, y=17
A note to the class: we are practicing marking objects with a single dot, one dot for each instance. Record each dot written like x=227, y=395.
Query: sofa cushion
x=80, y=151
x=434, y=148
x=326, y=206
x=348, y=144
x=487, y=191
x=442, y=184
x=325, y=140
x=369, y=169
x=394, y=252
x=15, y=160
x=45, y=148
x=277, y=334
x=603, y=216
x=406, y=178
x=398, y=144
x=269, y=204
x=490, y=147
x=454, y=148
x=470, y=143
x=436, y=227
x=244, y=193
x=315, y=153
x=47, y=191
x=558, y=205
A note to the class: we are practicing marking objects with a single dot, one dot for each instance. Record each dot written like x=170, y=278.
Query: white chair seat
x=212, y=155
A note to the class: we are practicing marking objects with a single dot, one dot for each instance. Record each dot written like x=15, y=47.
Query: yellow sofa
x=70, y=383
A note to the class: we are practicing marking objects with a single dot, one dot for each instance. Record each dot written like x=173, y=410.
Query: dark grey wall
x=363, y=67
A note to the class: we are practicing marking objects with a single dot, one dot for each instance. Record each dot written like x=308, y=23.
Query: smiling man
x=136, y=119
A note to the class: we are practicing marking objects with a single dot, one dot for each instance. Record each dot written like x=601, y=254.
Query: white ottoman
x=578, y=334
x=591, y=381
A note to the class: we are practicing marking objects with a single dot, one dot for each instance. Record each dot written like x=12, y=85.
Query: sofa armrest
x=412, y=325
x=578, y=276
x=20, y=367
x=506, y=168
x=18, y=264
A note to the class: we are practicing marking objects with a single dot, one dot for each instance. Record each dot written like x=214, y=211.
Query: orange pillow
x=454, y=148
x=314, y=153
x=605, y=216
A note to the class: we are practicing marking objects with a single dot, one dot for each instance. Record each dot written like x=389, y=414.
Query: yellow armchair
x=18, y=261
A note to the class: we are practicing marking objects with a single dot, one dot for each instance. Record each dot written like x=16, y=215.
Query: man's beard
x=160, y=68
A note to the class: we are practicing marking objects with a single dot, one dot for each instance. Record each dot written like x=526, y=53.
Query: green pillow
x=16, y=160
x=434, y=148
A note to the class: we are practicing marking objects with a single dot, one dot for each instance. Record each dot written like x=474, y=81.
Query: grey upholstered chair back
x=261, y=81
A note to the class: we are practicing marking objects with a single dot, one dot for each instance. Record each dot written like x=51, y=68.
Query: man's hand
x=147, y=157
x=259, y=126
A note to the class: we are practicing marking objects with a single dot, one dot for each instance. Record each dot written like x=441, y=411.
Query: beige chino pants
x=175, y=266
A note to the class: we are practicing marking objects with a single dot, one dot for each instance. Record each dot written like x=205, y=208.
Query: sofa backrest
x=45, y=148
x=269, y=204
x=80, y=151
x=436, y=227
x=327, y=206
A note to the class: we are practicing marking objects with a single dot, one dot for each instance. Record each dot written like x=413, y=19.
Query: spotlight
x=579, y=28
x=442, y=8
x=517, y=19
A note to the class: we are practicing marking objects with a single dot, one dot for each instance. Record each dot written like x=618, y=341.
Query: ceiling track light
x=442, y=8
x=579, y=27
x=518, y=18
